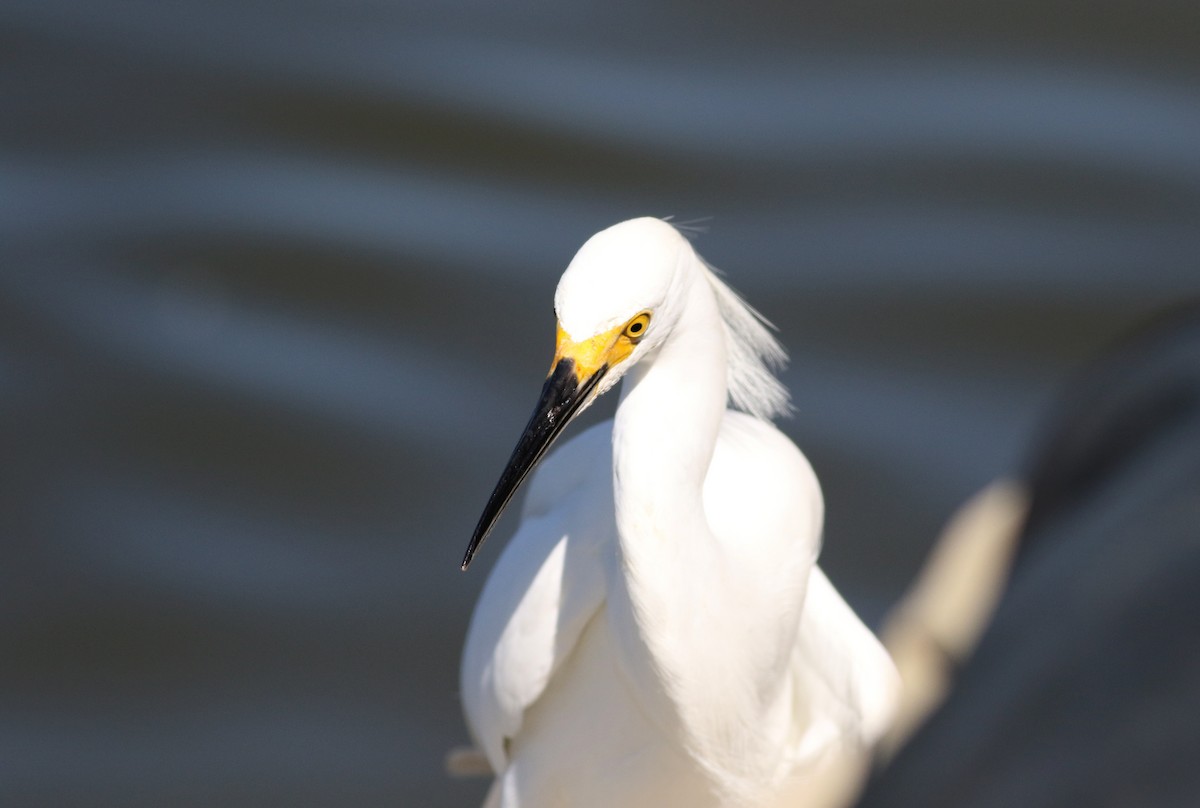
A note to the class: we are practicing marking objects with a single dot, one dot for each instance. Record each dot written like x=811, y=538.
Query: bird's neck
x=673, y=604
x=664, y=434
x=666, y=426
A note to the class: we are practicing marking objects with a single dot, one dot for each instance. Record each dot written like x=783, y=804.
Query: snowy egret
x=657, y=632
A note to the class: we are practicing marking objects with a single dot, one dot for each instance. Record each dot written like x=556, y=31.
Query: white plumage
x=657, y=632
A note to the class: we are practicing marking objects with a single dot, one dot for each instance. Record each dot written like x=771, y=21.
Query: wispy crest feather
x=754, y=354
x=691, y=229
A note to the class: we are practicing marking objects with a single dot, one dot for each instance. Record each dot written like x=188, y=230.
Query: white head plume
x=754, y=354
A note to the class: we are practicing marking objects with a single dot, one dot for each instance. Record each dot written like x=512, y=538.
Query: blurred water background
x=275, y=301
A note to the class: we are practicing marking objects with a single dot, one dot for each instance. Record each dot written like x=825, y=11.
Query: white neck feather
x=678, y=585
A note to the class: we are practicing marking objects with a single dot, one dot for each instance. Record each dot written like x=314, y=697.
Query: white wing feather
x=847, y=686
x=546, y=586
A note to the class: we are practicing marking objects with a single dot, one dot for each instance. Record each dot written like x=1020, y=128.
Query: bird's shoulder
x=760, y=488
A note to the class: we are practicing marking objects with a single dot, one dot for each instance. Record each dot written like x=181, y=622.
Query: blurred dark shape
x=1139, y=395
x=1085, y=689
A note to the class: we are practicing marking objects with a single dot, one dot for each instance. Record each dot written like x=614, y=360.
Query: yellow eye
x=635, y=329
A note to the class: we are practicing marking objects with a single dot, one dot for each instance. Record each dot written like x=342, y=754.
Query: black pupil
x=636, y=327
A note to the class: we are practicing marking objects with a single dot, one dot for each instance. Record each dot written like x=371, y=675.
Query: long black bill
x=562, y=397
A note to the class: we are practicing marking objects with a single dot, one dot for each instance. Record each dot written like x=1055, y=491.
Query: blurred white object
x=657, y=632
x=938, y=623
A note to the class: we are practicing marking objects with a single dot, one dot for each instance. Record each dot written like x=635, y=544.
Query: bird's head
x=615, y=304
x=617, y=300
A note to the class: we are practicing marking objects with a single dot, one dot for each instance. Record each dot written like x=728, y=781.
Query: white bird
x=657, y=632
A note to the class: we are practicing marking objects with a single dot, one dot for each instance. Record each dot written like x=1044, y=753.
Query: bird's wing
x=545, y=587
x=846, y=683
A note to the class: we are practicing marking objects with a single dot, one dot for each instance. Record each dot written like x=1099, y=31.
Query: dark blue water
x=275, y=298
